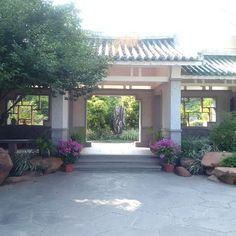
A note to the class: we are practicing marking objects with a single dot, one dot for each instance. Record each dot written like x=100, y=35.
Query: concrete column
x=78, y=122
x=145, y=121
x=59, y=118
x=157, y=113
x=171, y=103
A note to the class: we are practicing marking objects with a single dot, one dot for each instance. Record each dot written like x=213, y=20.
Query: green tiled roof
x=148, y=49
x=213, y=65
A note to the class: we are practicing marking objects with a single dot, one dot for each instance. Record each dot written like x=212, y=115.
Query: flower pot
x=168, y=167
x=69, y=167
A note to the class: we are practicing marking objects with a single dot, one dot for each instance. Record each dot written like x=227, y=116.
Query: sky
x=202, y=23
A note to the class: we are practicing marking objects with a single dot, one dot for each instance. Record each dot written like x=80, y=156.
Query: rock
x=186, y=162
x=213, y=159
x=226, y=174
x=47, y=165
x=181, y=171
x=18, y=179
x=209, y=170
x=213, y=178
x=5, y=165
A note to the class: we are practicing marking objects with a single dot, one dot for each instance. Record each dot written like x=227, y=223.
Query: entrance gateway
x=157, y=74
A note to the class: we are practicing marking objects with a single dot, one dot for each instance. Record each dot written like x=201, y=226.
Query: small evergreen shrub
x=45, y=146
x=196, y=147
x=129, y=135
x=22, y=164
x=229, y=161
x=223, y=135
x=78, y=137
x=196, y=167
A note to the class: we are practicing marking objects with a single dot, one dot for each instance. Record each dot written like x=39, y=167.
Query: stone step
x=123, y=158
x=116, y=167
x=117, y=163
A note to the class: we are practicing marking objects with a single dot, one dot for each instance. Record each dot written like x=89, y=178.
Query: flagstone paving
x=117, y=204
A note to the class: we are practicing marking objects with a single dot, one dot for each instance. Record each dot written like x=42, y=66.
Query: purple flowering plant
x=166, y=150
x=69, y=150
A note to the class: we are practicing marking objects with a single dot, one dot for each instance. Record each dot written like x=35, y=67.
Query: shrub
x=130, y=135
x=229, y=161
x=223, y=135
x=45, y=146
x=78, y=137
x=196, y=147
x=98, y=115
x=196, y=167
x=131, y=112
x=22, y=164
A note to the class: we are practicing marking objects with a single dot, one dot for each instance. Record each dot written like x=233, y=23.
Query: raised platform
x=117, y=157
x=115, y=149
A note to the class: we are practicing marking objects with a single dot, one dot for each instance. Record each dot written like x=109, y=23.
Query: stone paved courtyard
x=117, y=204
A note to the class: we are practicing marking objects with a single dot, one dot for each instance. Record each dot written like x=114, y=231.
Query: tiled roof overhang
x=149, y=51
x=213, y=65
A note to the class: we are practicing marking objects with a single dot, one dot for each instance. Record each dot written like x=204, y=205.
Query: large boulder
x=226, y=174
x=213, y=159
x=5, y=165
x=181, y=171
x=47, y=165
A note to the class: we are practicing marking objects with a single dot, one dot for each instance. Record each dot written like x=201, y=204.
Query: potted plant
x=69, y=152
x=167, y=151
x=45, y=146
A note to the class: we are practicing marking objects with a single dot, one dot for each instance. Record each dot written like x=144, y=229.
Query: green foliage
x=78, y=137
x=196, y=167
x=229, y=161
x=131, y=112
x=196, y=147
x=99, y=116
x=43, y=45
x=129, y=135
x=22, y=164
x=156, y=135
x=223, y=135
x=45, y=146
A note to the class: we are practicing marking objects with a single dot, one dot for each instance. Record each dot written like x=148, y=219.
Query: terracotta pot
x=168, y=167
x=69, y=167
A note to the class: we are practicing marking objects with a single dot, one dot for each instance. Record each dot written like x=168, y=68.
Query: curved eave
x=209, y=77
x=156, y=63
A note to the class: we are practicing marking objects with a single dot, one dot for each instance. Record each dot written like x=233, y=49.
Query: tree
x=43, y=46
x=131, y=112
x=98, y=115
